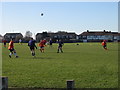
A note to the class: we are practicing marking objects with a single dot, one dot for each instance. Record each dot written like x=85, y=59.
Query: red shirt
x=41, y=44
x=44, y=41
x=103, y=43
x=11, y=46
x=4, y=41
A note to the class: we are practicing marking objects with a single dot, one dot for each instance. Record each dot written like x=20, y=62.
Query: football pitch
x=88, y=64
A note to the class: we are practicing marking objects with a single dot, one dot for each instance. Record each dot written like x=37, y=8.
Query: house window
x=67, y=37
x=8, y=36
x=71, y=36
x=84, y=37
x=13, y=36
x=115, y=37
x=100, y=37
x=63, y=36
x=90, y=37
x=55, y=36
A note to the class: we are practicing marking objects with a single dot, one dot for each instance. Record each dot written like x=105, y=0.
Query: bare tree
x=28, y=34
x=27, y=37
x=18, y=37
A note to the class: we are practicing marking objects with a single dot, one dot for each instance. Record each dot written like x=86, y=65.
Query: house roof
x=58, y=33
x=99, y=33
x=12, y=34
x=1, y=36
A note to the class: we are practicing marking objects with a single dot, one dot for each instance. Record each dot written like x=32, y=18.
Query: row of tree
x=26, y=38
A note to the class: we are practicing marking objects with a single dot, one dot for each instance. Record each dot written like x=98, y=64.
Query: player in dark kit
x=32, y=46
x=60, y=44
x=50, y=42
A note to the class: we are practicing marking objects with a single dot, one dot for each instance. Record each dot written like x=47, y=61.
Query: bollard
x=4, y=83
x=70, y=84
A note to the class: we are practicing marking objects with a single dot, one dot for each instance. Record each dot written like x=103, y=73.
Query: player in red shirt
x=41, y=45
x=104, y=44
x=44, y=41
x=11, y=48
x=4, y=41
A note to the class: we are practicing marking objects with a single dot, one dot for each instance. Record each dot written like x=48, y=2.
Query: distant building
x=96, y=36
x=1, y=38
x=66, y=36
x=15, y=36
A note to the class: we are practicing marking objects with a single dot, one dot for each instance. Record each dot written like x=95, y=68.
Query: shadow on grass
x=39, y=58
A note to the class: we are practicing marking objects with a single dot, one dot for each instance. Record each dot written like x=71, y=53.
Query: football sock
x=32, y=53
x=10, y=54
x=15, y=54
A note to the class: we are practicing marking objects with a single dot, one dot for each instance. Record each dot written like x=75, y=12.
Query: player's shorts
x=60, y=46
x=4, y=43
x=41, y=47
x=50, y=43
x=104, y=46
x=11, y=49
x=32, y=48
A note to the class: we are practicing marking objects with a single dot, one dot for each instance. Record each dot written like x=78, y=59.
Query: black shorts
x=50, y=43
x=32, y=48
x=60, y=46
x=104, y=46
x=42, y=47
x=4, y=43
x=11, y=50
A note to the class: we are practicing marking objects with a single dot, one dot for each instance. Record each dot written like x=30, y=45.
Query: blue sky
x=58, y=16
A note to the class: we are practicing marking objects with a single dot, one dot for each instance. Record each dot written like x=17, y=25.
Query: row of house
x=15, y=36
x=87, y=36
x=66, y=36
x=97, y=36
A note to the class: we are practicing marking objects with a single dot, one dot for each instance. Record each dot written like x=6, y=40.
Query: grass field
x=88, y=64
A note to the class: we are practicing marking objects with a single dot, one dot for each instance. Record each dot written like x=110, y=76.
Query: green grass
x=88, y=64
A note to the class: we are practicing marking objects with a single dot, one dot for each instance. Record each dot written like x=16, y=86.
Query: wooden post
x=4, y=83
x=70, y=84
